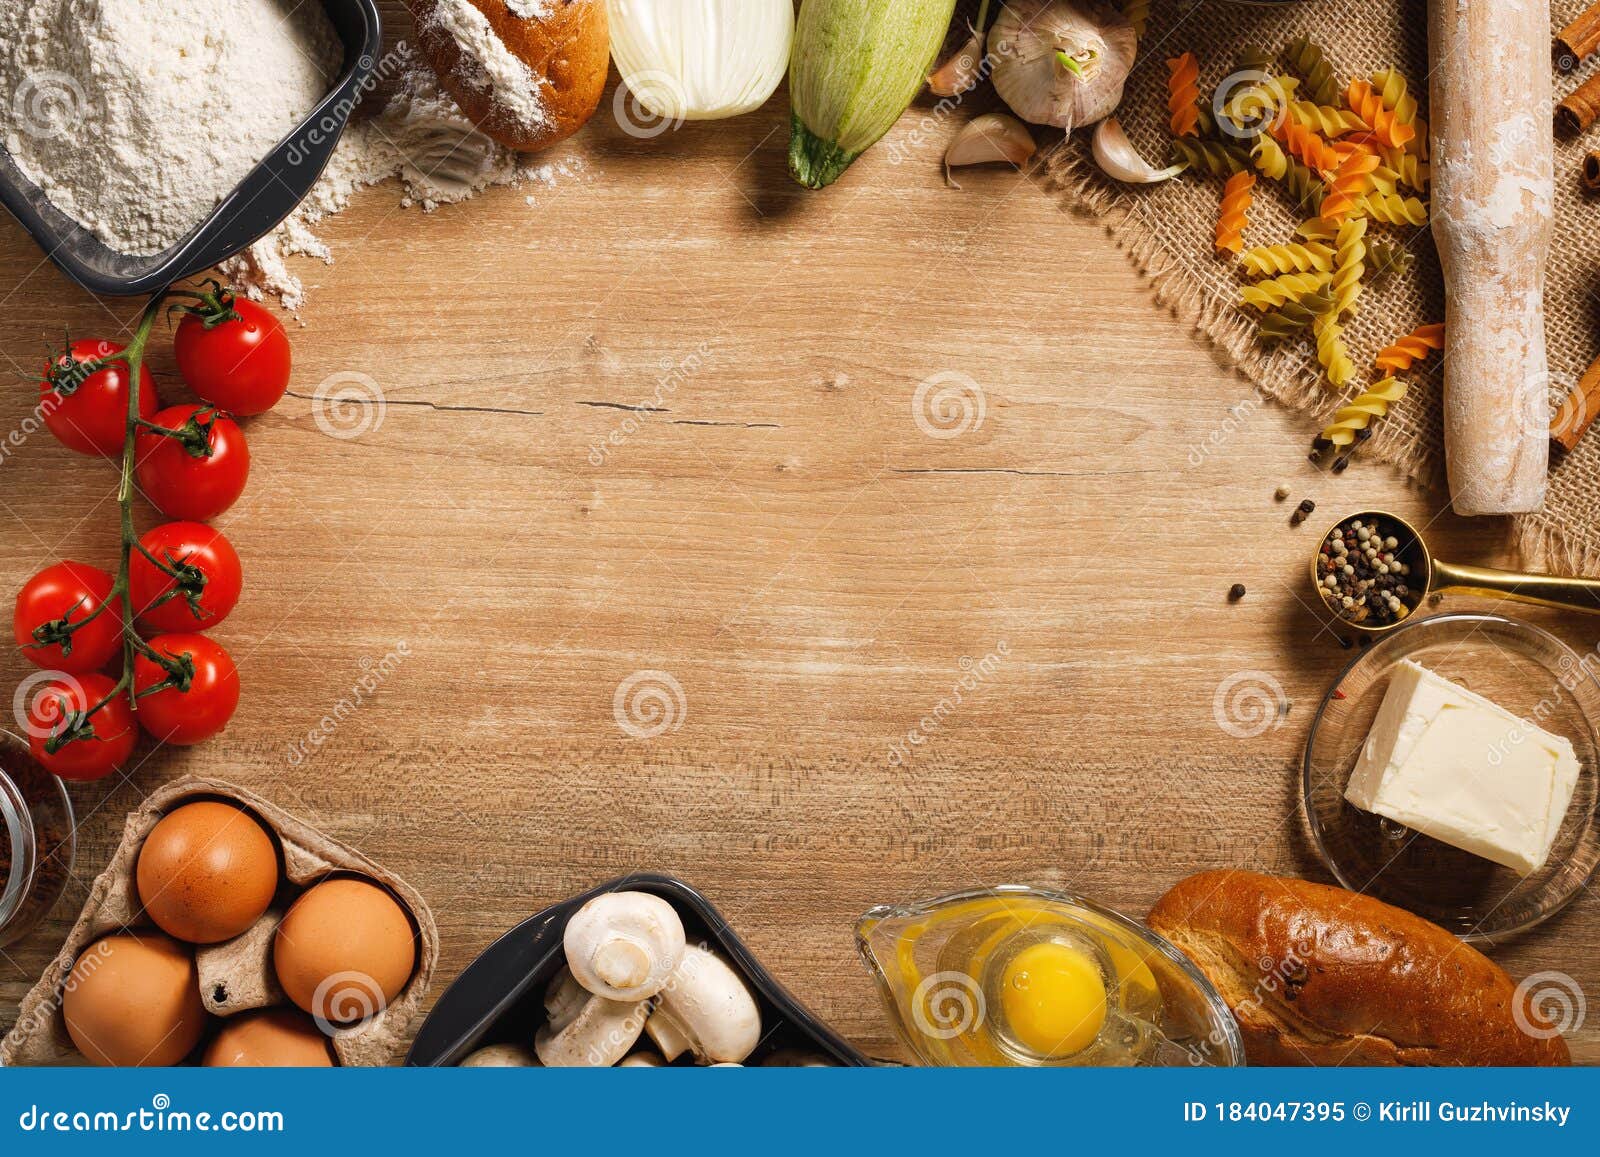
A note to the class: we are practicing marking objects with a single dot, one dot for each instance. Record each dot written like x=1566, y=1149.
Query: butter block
x=1448, y=763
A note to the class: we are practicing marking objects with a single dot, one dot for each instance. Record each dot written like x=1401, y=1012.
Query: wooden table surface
x=666, y=419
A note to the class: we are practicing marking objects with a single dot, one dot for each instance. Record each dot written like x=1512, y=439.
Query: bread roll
x=1321, y=976
x=528, y=73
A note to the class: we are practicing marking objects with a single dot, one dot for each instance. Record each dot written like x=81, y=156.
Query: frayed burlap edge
x=1065, y=169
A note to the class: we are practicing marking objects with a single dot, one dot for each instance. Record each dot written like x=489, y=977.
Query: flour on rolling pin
x=1493, y=194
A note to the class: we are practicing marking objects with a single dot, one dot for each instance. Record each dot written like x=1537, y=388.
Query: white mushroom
x=705, y=1009
x=643, y=1059
x=584, y=1030
x=506, y=1056
x=797, y=1059
x=624, y=945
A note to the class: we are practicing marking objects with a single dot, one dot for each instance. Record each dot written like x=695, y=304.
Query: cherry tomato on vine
x=203, y=699
x=100, y=742
x=205, y=589
x=48, y=606
x=88, y=412
x=198, y=473
x=232, y=352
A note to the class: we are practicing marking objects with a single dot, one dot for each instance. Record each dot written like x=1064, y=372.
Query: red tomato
x=89, y=414
x=54, y=599
x=198, y=475
x=199, y=708
x=104, y=740
x=206, y=588
x=233, y=353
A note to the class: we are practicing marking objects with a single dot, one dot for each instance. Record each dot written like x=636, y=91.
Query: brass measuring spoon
x=1427, y=574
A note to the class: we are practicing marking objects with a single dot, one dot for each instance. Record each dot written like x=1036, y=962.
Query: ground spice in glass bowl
x=1365, y=570
x=37, y=841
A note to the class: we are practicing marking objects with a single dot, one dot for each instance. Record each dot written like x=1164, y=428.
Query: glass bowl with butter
x=1452, y=770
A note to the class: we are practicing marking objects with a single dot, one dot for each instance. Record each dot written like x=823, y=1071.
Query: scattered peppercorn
x=1307, y=506
x=1281, y=493
x=1235, y=592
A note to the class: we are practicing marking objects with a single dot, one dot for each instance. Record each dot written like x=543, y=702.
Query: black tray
x=500, y=996
x=267, y=195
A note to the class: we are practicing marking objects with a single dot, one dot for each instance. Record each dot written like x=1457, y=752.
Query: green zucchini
x=857, y=65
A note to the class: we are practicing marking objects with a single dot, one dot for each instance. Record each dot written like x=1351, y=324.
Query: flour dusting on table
x=420, y=136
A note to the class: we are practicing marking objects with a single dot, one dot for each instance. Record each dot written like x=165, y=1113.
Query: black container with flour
x=263, y=198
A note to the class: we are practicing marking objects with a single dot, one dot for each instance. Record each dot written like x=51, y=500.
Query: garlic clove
x=1118, y=159
x=994, y=136
x=961, y=71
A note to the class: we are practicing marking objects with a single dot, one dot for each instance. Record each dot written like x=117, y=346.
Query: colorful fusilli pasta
x=1349, y=181
x=1349, y=263
x=1361, y=411
x=1272, y=260
x=1386, y=259
x=1214, y=157
x=1407, y=351
x=1392, y=90
x=1311, y=63
x=1392, y=209
x=1331, y=352
x=1305, y=144
x=1183, y=95
x=1407, y=169
x=1293, y=317
x=1231, y=217
x=1386, y=126
x=1265, y=295
x=1327, y=120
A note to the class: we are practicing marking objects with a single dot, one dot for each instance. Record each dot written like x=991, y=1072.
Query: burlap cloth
x=1167, y=230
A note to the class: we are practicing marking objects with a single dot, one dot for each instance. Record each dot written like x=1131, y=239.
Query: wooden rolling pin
x=1493, y=193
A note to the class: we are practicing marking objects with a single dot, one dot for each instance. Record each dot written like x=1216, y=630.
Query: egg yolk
x=1054, y=999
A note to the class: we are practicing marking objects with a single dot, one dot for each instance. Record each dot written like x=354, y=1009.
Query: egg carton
x=236, y=975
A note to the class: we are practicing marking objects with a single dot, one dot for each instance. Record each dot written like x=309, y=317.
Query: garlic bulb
x=1118, y=159
x=701, y=59
x=1061, y=62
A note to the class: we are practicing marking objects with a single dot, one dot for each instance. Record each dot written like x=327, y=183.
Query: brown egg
x=273, y=1038
x=344, y=950
x=134, y=999
x=207, y=872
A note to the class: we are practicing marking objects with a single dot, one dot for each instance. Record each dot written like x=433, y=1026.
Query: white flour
x=419, y=136
x=136, y=117
x=488, y=66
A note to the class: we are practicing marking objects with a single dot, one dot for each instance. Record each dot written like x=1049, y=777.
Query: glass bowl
x=934, y=963
x=37, y=840
x=1527, y=671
